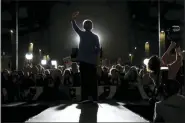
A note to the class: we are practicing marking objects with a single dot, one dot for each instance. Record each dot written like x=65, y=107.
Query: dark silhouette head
x=154, y=64
x=88, y=25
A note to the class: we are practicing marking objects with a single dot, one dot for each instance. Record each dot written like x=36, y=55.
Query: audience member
x=172, y=109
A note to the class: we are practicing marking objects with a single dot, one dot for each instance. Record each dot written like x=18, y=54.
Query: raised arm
x=178, y=61
x=74, y=25
x=166, y=54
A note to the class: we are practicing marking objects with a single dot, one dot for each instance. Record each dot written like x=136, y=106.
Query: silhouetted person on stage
x=88, y=57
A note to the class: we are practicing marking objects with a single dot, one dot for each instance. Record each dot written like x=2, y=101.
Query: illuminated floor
x=86, y=113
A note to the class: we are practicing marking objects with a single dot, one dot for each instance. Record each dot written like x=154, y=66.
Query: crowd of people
x=17, y=84
x=133, y=83
x=148, y=82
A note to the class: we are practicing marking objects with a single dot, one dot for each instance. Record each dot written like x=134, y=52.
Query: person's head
x=132, y=74
x=5, y=73
x=47, y=72
x=74, y=67
x=60, y=67
x=113, y=66
x=14, y=76
x=126, y=68
x=114, y=73
x=119, y=68
x=105, y=70
x=38, y=66
x=119, y=61
x=88, y=25
x=21, y=73
x=67, y=73
x=154, y=64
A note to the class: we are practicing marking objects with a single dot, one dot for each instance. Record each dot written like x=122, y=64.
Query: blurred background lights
x=29, y=56
x=11, y=31
x=54, y=63
x=145, y=62
x=43, y=62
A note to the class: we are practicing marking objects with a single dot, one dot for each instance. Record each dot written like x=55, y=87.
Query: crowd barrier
x=74, y=93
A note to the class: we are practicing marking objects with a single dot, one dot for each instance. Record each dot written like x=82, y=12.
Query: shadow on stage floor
x=88, y=113
x=22, y=112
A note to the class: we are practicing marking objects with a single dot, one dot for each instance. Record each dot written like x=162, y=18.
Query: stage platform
x=88, y=113
x=66, y=111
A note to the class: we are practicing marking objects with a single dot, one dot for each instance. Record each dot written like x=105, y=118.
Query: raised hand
x=172, y=45
x=178, y=50
x=74, y=15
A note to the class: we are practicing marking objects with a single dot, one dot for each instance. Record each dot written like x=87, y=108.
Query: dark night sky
x=119, y=25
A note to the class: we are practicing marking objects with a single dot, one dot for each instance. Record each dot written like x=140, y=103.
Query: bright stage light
x=47, y=57
x=54, y=63
x=145, y=62
x=130, y=54
x=11, y=31
x=29, y=56
x=135, y=48
x=43, y=62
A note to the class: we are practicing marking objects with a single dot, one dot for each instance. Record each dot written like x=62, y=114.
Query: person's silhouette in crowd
x=105, y=75
x=75, y=73
x=5, y=85
x=39, y=80
x=14, y=87
x=172, y=108
x=88, y=57
x=67, y=79
x=115, y=80
x=47, y=73
x=154, y=65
